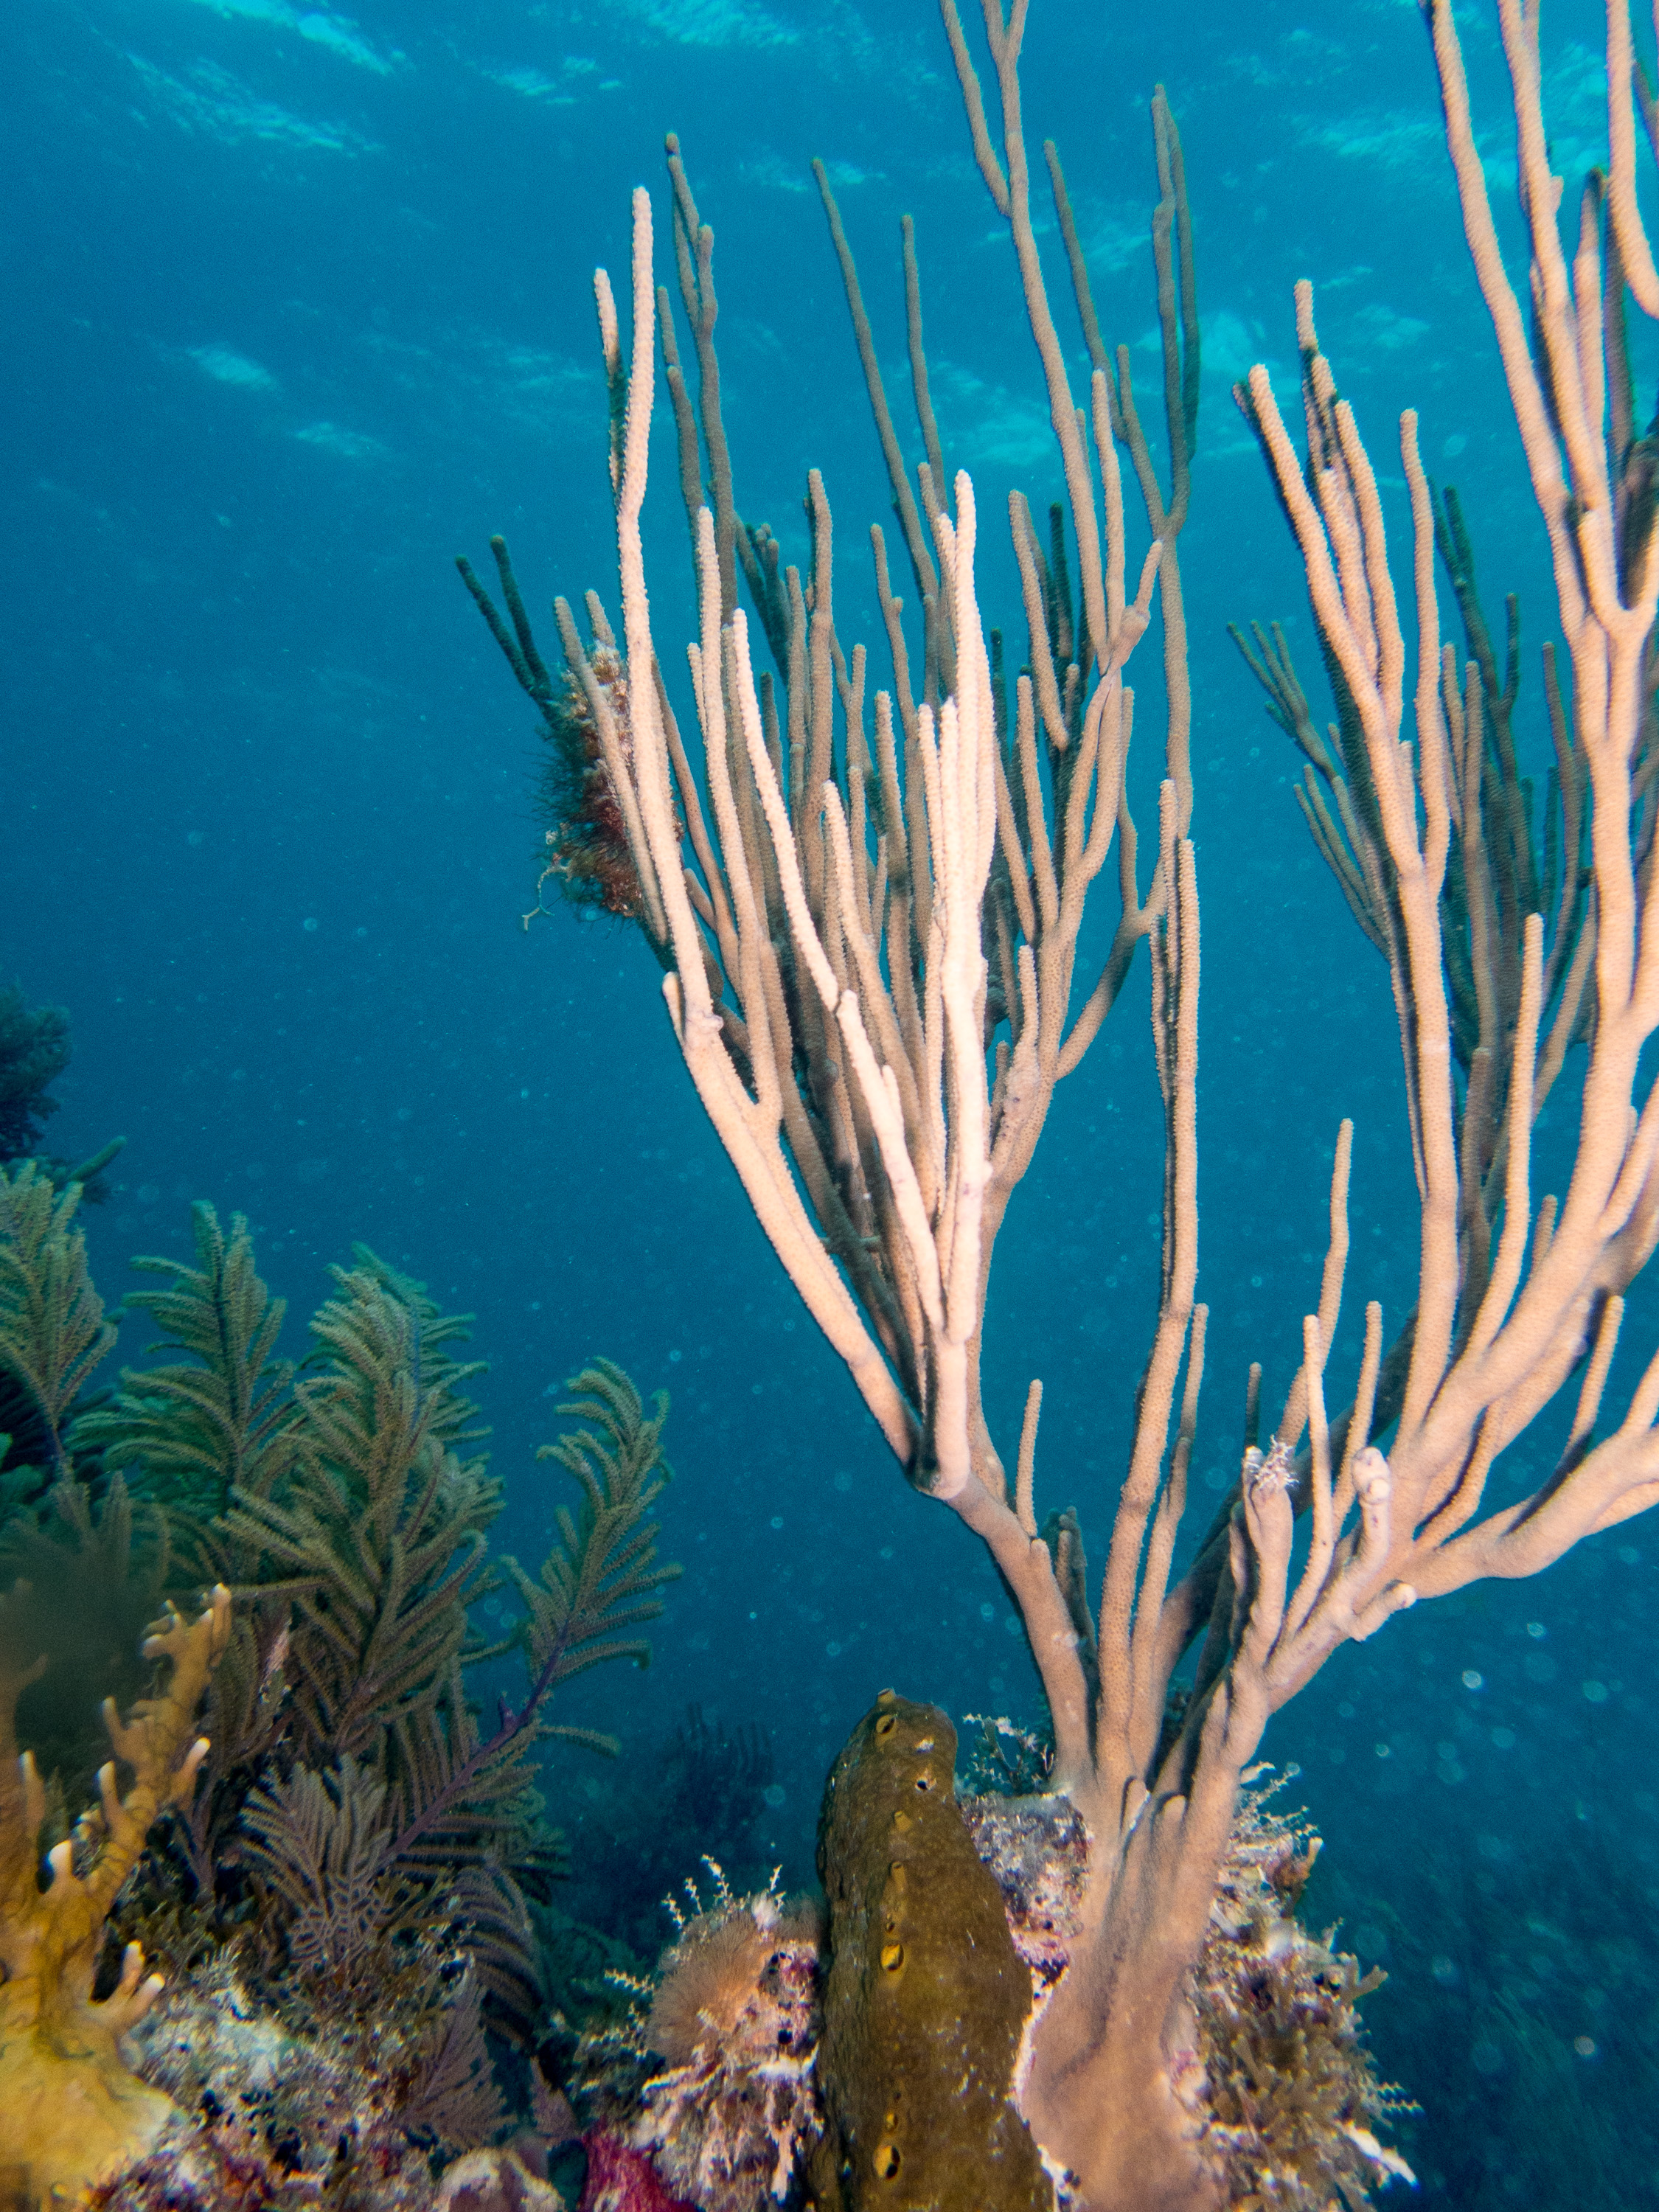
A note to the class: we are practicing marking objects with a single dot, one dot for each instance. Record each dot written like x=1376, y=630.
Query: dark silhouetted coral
x=699, y=1794
x=35, y=1050
x=85, y=1579
x=52, y=1331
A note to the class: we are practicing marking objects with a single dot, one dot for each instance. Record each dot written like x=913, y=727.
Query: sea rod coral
x=868, y=912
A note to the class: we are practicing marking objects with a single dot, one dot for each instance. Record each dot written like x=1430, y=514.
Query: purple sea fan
x=735, y=2010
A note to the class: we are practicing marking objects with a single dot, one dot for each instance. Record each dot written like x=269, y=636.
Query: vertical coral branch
x=73, y=2112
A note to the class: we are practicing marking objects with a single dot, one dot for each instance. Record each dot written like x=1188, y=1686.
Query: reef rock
x=623, y=2179
x=496, y=2181
x=735, y=2013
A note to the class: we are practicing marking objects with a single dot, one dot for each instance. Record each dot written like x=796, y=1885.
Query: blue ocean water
x=299, y=306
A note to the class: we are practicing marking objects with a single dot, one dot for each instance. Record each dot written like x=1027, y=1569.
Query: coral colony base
x=1080, y=1981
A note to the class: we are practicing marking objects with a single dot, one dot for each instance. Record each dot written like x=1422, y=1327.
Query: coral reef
x=496, y=2181
x=841, y=2059
x=342, y=1877
x=220, y=2166
x=271, y=2117
x=1277, y=2074
x=926, y=1999
x=831, y=951
x=1037, y=1850
x=262, y=2115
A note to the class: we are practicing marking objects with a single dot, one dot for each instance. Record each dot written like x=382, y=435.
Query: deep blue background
x=297, y=306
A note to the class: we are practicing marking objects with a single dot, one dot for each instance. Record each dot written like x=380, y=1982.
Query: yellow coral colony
x=70, y=2112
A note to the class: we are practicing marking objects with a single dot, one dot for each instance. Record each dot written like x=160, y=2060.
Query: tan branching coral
x=870, y=906
x=72, y=2109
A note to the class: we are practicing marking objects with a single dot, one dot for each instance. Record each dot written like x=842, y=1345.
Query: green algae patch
x=925, y=1998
